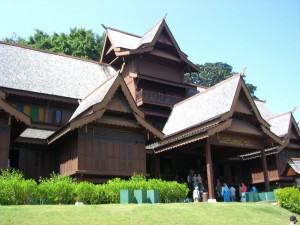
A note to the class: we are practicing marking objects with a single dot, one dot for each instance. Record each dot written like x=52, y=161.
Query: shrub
x=57, y=189
x=89, y=193
x=14, y=189
x=168, y=191
x=289, y=198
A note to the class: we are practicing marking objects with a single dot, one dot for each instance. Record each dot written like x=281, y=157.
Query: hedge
x=16, y=190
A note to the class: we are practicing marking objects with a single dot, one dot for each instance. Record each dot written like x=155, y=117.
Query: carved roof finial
x=243, y=71
x=165, y=16
x=104, y=26
x=294, y=109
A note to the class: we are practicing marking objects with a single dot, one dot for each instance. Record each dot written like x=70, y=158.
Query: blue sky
x=263, y=35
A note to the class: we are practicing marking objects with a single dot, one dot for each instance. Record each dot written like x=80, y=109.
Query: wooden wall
x=110, y=152
x=36, y=162
x=4, y=140
x=68, y=154
x=156, y=69
x=254, y=171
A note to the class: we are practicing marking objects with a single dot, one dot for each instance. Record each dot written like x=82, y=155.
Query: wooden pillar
x=265, y=170
x=209, y=169
x=155, y=168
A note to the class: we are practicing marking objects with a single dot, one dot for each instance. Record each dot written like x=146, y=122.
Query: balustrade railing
x=157, y=97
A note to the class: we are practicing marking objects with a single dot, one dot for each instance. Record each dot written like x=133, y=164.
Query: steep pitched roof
x=280, y=125
x=149, y=35
x=93, y=106
x=211, y=111
x=124, y=43
x=122, y=39
x=44, y=72
x=205, y=106
x=263, y=109
x=292, y=167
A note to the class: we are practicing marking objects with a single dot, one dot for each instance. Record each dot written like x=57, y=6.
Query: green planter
x=152, y=196
x=249, y=197
x=125, y=196
x=266, y=196
x=140, y=196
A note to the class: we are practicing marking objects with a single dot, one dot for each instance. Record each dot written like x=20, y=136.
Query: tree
x=15, y=39
x=79, y=42
x=213, y=73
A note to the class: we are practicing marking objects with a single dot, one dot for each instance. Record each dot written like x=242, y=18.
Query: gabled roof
x=124, y=43
x=281, y=124
x=292, y=167
x=205, y=106
x=93, y=106
x=120, y=39
x=212, y=110
x=44, y=72
x=263, y=109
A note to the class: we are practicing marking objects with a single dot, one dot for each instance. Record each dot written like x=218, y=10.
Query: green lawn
x=174, y=213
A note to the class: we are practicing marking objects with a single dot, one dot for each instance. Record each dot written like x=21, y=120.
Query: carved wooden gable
x=119, y=103
x=243, y=106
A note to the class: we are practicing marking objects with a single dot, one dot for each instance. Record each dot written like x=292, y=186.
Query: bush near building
x=16, y=190
x=289, y=198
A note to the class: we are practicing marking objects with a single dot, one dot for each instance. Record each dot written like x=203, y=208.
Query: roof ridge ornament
x=243, y=71
x=165, y=16
x=294, y=109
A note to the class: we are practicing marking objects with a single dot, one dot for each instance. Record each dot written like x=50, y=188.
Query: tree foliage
x=213, y=73
x=79, y=42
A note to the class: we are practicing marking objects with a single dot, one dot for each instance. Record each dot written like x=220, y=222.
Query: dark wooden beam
x=209, y=168
x=265, y=170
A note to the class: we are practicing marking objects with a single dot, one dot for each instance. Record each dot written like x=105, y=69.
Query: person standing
x=244, y=190
x=196, y=194
x=232, y=193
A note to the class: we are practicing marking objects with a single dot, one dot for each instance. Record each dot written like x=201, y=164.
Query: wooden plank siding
x=111, y=152
x=68, y=155
x=4, y=141
x=36, y=162
x=254, y=171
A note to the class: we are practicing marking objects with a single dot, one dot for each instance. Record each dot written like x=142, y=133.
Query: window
x=57, y=116
x=20, y=107
x=35, y=112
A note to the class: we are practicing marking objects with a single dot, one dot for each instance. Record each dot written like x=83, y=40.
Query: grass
x=143, y=214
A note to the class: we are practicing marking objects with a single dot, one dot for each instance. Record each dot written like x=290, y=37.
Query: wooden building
x=154, y=68
x=210, y=131
x=131, y=112
x=69, y=115
x=292, y=169
x=286, y=128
